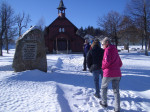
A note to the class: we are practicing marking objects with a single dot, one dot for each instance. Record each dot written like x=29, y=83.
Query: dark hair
x=95, y=43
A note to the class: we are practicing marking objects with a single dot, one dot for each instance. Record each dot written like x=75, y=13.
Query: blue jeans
x=96, y=74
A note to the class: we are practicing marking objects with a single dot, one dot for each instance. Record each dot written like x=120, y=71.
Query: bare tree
x=9, y=25
x=139, y=10
x=2, y=25
x=10, y=34
x=110, y=24
x=6, y=22
x=128, y=32
x=22, y=21
x=41, y=23
x=139, y=24
x=124, y=33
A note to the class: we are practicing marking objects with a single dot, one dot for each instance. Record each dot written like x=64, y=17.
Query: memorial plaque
x=29, y=51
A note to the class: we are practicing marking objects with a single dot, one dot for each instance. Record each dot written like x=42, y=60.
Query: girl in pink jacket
x=111, y=73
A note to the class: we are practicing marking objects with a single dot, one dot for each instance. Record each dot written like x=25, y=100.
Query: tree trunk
x=19, y=32
x=146, y=51
x=128, y=47
x=146, y=43
x=1, y=43
x=1, y=53
x=142, y=42
x=149, y=45
x=6, y=41
x=116, y=39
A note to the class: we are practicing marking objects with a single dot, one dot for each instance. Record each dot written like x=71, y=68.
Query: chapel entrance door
x=62, y=45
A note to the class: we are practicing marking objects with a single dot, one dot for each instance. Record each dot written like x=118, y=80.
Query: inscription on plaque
x=29, y=51
x=31, y=38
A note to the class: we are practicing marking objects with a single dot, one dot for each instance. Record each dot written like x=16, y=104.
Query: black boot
x=84, y=70
x=97, y=96
x=103, y=105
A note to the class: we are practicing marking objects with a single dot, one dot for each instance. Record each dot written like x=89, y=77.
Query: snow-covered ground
x=66, y=88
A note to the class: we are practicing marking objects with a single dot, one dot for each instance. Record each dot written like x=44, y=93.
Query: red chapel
x=60, y=36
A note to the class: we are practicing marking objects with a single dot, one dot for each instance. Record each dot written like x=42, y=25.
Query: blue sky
x=80, y=12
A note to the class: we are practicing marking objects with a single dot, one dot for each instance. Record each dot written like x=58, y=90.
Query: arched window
x=59, y=29
x=63, y=29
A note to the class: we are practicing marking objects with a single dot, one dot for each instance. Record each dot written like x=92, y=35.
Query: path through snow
x=66, y=88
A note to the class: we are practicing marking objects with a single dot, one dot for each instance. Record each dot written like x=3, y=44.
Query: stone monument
x=30, y=51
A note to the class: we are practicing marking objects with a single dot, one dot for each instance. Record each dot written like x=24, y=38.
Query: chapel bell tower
x=61, y=9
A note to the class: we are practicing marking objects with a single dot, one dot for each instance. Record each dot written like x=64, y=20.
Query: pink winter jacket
x=111, y=62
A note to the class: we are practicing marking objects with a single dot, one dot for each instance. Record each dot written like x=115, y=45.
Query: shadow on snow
x=62, y=100
x=70, y=79
x=136, y=80
x=6, y=68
